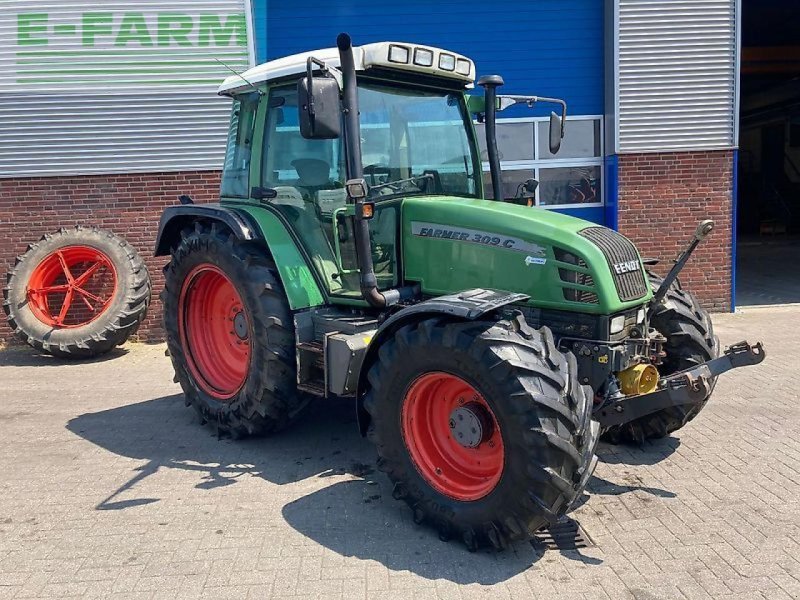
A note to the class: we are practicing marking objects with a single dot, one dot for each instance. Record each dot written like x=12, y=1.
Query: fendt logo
x=128, y=48
x=626, y=267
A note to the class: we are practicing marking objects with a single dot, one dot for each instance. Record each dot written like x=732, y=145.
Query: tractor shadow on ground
x=649, y=453
x=356, y=520
x=356, y=517
x=25, y=356
x=165, y=433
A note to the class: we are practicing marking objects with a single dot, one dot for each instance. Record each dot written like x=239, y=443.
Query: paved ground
x=110, y=486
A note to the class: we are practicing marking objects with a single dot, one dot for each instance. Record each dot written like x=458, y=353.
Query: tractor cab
x=415, y=139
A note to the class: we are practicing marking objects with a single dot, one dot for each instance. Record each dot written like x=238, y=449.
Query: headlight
x=617, y=324
x=398, y=54
x=640, y=316
x=463, y=66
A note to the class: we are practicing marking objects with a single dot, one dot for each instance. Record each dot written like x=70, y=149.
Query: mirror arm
x=529, y=101
x=326, y=70
x=563, y=110
x=311, y=60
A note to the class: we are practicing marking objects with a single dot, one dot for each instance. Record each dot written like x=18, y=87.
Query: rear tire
x=106, y=306
x=690, y=342
x=230, y=333
x=538, y=413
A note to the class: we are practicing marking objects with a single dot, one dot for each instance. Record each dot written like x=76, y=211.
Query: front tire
x=527, y=441
x=690, y=341
x=230, y=333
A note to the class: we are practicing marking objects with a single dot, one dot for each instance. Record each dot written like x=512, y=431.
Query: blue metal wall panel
x=260, y=9
x=545, y=47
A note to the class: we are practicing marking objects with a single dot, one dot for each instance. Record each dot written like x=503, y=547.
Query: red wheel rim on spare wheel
x=452, y=436
x=72, y=287
x=215, y=332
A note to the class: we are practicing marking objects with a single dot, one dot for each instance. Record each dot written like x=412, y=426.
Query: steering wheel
x=375, y=169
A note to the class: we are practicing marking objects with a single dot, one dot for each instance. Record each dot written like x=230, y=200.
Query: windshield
x=415, y=142
x=412, y=142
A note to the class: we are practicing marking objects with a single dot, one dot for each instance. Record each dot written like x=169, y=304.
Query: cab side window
x=236, y=169
x=306, y=173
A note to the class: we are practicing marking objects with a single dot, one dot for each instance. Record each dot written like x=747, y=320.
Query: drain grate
x=564, y=535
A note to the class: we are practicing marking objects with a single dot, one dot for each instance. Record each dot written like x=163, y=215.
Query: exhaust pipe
x=490, y=83
x=352, y=143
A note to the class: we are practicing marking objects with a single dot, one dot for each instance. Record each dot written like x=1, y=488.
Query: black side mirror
x=556, y=133
x=319, y=110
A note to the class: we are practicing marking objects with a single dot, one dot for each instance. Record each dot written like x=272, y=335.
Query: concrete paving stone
x=113, y=490
x=776, y=594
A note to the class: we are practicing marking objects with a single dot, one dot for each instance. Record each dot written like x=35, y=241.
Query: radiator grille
x=570, y=276
x=618, y=249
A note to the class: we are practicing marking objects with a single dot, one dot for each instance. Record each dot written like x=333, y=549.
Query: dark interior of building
x=768, y=212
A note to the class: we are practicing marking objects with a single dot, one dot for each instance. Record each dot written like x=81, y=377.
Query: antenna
x=240, y=76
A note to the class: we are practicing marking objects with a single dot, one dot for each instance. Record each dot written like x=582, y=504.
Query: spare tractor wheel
x=77, y=293
x=690, y=341
x=482, y=427
x=230, y=333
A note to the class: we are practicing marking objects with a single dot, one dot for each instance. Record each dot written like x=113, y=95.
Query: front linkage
x=687, y=388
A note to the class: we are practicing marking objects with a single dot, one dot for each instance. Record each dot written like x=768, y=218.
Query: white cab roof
x=366, y=56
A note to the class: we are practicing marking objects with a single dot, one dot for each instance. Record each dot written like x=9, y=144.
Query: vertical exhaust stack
x=355, y=171
x=490, y=83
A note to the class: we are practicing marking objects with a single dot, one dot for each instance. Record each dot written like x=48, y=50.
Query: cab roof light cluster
x=420, y=58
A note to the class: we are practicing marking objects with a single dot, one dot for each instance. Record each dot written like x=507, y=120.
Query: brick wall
x=661, y=199
x=129, y=205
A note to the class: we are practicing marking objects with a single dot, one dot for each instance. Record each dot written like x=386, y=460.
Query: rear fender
x=176, y=218
x=468, y=305
x=249, y=224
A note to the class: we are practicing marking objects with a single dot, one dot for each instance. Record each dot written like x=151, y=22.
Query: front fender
x=468, y=305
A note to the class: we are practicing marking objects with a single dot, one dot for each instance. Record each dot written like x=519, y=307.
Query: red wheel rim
x=71, y=287
x=215, y=332
x=431, y=406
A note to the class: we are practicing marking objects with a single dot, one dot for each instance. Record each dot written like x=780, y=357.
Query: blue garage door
x=547, y=47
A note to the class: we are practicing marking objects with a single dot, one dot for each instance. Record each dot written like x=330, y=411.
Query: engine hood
x=561, y=262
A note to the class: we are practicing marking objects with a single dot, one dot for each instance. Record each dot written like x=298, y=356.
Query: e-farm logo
x=130, y=47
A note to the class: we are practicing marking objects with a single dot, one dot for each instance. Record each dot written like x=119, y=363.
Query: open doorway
x=768, y=209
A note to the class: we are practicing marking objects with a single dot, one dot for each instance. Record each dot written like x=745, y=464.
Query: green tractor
x=487, y=345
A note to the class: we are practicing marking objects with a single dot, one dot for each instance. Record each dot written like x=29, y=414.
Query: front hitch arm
x=685, y=388
x=700, y=233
